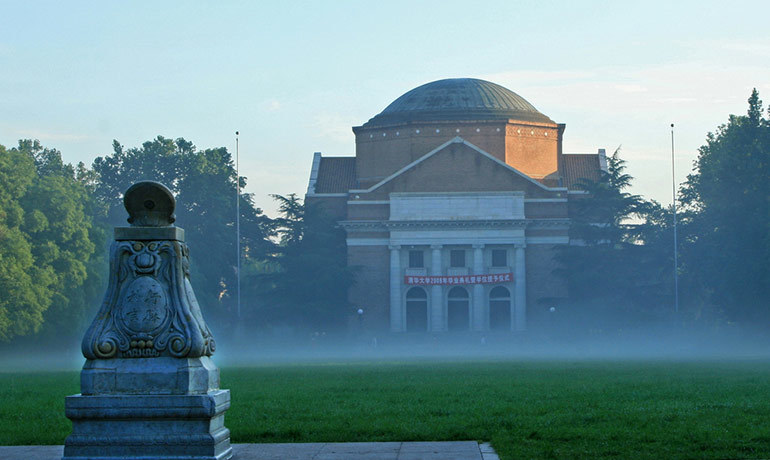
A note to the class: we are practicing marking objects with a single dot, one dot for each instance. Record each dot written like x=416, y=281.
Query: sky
x=294, y=77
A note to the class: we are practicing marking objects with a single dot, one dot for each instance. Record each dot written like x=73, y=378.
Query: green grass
x=526, y=409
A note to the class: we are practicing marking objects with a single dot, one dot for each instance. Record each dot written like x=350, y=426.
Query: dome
x=458, y=99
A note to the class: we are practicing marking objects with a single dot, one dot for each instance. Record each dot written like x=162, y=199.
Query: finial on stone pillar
x=148, y=381
x=149, y=204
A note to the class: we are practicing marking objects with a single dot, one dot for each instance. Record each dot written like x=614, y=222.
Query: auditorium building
x=453, y=204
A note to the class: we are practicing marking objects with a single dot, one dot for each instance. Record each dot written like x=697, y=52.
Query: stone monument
x=148, y=388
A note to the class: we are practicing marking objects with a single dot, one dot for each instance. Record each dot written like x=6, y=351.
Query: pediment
x=458, y=166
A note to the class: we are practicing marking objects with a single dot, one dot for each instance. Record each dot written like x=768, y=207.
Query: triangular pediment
x=458, y=166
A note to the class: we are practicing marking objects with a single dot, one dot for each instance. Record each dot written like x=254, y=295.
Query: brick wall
x=371, y=291
x=532, y=148
x=542, y=284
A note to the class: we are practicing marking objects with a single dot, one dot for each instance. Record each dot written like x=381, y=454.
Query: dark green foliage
x=727, y=219
x=309, y=287
x=588, y=409
x=611, y=274
x=204, y=185
x=45, y=238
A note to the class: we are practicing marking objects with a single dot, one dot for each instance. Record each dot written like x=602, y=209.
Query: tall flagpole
x=676, y=249
x=238, y=221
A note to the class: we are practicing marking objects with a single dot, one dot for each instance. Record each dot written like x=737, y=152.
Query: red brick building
x=457, y=195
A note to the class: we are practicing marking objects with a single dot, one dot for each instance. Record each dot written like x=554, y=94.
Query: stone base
x=162, y=427
x=157, y=376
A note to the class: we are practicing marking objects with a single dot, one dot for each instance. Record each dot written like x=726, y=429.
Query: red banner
x=451, y=280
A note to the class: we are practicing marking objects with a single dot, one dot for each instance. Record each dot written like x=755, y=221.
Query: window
x=499, y=257
x=500, y=309
x=416, y=259
x=458, y=309
x=457, y=258
x=416, y=310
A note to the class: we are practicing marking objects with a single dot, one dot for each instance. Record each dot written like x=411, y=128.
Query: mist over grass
x=527, y=409
x=549, y=338
x=560, y=390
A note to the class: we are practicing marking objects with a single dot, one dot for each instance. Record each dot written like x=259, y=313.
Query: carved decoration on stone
x=150, y=309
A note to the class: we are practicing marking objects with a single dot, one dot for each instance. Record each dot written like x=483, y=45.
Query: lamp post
x=676, y=250
x=238, y=223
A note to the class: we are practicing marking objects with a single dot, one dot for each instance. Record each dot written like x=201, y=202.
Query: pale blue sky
x=294, y=77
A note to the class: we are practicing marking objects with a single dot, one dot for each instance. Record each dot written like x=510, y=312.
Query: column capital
x=478, y=246
x=436, y=246
x=393, y=247
x=520, y=246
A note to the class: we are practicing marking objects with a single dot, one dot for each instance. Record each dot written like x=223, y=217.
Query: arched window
x=458, y=309
x=500, y=309
x=416, y=310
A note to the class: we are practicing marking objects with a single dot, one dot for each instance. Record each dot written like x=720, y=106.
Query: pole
x=676, y=249
x=238, y=221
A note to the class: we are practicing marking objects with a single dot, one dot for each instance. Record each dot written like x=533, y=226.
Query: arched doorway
x=458, y=309
x=500, y=309
x=416, y=310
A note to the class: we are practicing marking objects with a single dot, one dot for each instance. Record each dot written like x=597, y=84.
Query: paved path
x=455, y=450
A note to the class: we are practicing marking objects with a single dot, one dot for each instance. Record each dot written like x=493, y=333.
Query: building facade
x=453, y=205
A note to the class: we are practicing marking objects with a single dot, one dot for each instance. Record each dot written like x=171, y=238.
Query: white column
x=396, y=305
x=520, y=297
x=436, y=301
x=479, y=314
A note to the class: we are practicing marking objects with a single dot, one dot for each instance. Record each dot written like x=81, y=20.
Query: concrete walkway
x=455, y=450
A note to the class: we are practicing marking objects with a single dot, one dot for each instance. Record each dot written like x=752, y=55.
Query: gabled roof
x=336, y=175
x=460, y=140
x=579, y=166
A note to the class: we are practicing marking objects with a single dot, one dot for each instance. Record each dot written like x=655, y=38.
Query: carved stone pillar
x=396, y=304
x=148, y=388
x=437, y=317
x=520, y=295
x=480, y=316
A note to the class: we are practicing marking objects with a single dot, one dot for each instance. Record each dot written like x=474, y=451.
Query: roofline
x=603, y=160
x=328, y=195
x=511, y=121
x=456, y=140
x=314, y=173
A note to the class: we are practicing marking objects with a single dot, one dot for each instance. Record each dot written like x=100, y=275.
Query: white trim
x=368, y=241
x=433, y=194
x=547, y=239
x=603, y=159
x=456, y=140
x=370, y=202
x=314, y=173
x=328, y=194
x=545, y=200
x=578, y=192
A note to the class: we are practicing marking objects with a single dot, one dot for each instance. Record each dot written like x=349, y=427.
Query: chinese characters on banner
x=450, y=280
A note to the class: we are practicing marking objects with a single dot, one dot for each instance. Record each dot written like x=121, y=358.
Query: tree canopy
x=727, y=217
x=309, y=287
x=45, y=239
x=205, y=189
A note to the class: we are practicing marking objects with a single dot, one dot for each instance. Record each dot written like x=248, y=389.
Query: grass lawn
x=537, y=409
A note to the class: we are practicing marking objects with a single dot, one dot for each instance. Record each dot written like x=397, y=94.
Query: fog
x=544, y=341
x=653, y=343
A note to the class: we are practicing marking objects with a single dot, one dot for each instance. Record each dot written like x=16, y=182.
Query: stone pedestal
x=149, y=389
x=190, y=427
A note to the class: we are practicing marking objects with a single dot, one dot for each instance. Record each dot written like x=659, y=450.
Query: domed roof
x=458, y=99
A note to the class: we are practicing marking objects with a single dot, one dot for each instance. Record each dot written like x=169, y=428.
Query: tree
x=45, y=245
x=727, y=217
x=310, y=285
x=608, y=268
x=203, y=183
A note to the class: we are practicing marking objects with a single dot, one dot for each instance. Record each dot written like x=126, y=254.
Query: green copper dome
x=458, y=99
